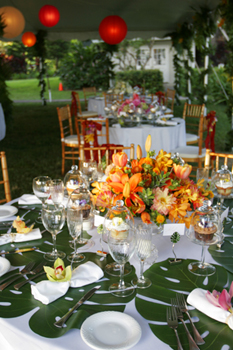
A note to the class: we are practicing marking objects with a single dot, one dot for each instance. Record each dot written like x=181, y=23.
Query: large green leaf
x=13, y=305
x=166, y=281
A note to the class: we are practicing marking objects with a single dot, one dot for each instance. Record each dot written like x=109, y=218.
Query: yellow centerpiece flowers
x=156, y=188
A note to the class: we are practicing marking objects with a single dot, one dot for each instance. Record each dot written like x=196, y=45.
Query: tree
x=57, y=50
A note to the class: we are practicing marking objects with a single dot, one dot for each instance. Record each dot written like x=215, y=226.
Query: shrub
x=86, y=66
x=151, y=79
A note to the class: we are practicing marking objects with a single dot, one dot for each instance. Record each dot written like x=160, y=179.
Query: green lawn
x=29, y=89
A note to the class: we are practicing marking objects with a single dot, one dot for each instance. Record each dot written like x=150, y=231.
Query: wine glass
x=53, y=218
x=56, y=187
x=74, y=222
x=40, y=186
x=143, y=251
x=202, y=174
x=89, y=170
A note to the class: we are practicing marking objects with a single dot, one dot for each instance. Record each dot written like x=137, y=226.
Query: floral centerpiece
x=130, y=105
x=155, y=188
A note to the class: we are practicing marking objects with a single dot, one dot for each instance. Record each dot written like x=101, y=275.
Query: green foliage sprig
x=40, y=51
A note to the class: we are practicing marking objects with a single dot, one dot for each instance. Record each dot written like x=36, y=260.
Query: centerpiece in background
x=156, y=188
x=135, y=106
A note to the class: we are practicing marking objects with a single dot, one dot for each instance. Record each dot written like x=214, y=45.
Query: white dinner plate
x=110, y=330
x=7, y=210
x=4, y=265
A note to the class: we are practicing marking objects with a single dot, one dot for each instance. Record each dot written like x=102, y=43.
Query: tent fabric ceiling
x=80, y=19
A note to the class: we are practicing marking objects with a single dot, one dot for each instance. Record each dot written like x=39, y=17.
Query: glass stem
x=121, y=282
x=142, y=261
x=75, y=244
x=203, y=256
x=54, y=252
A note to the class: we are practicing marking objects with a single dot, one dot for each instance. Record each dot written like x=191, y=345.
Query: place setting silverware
x=60, y=323
x=21, y=284
x=192, y=343
x=172, y=322
x=19, y=250
x=23, y=272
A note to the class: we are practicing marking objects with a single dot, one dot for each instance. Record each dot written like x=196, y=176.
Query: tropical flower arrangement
x=133, y=103
x=223, y=299
x=156, y=188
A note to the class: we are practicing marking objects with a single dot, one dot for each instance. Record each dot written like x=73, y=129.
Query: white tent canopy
x=80, y=19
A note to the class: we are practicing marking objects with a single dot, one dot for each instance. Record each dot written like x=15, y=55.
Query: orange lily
x=148, y=144
x=139, y=152
x=179, y=210
x=146, y=217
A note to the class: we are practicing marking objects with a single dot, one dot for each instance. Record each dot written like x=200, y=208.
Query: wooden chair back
x=192, y=113
x=170, y=98
x=65, y=121
x=105, y=150
x=88, y=92
x=5, y=179
x=213, y=159
x=80, y=125
x=110, y=98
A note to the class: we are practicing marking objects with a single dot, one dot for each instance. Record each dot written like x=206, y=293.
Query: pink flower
x=222, y=300
x=120, y=159
x=162, y=201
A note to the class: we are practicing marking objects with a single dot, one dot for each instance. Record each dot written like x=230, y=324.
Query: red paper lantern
x=29, y=39
x=49, y=15
x=113, y=30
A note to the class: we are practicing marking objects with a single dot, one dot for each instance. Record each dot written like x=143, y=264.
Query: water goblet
x=74, y=223
x=56, y=187
x=143, y=251
x=53, y=218
x=40, y=186
x=121, y=250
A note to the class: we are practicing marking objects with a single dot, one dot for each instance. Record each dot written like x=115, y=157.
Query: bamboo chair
x=110, y=98
x=194, y=154
x=191, y=114
x=88, y=92
x=170, y=98
x=212, y=160
x=69, y=141
x=105, y=150
x=5, y=179
x=77, y=109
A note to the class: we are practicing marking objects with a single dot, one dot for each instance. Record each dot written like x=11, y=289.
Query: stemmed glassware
x=56, y=187
x=121, y=237
x=41, y=189
x=53, y=218
x=74, y=222
x=89, y=170
x=143, y=251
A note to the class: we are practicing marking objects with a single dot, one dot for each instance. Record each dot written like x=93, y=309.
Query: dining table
x=26, y=323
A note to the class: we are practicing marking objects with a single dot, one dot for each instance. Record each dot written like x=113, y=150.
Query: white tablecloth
x=15, y=333
x=2, y=124
x=164, y=137
x=96, y=104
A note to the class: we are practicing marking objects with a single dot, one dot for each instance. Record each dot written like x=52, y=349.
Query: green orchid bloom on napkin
x=59, y=273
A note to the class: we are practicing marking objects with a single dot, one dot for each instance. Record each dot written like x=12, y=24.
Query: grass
x=32, y=143
x=29, y=89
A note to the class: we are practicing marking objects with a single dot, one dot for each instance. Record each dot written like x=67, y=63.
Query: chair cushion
x=71, y=139
x=191, y=137
x=89, y=114
x=189, y=152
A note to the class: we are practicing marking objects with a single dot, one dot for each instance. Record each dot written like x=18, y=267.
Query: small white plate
x=4, y=265
x=110, y=330
x=6, y=211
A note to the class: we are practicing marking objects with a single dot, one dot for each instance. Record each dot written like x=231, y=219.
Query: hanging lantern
x=49, y=15
x=113, y=30
x=14, y=21
x=29, y=39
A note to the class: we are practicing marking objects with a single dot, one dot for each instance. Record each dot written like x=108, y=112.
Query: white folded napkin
x=47, y=291
x=21, y=237
x=197, y=298
x=167, y=122
x=28, y=199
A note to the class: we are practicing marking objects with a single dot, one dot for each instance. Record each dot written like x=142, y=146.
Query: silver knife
x=87, y=296
x=19, y=250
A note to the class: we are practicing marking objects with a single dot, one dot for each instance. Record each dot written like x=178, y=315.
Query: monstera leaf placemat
x=168, y=279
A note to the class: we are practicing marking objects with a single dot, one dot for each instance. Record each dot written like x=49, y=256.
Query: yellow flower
x=89, y=138
x=160, y=219
x=148, y=143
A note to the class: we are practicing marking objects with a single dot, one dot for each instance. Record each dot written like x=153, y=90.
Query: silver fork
x=192, y=344
x=183, y=306
x=172, y=322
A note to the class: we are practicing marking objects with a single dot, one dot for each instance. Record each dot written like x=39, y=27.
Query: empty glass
x=202, y=174
x=143, y=251
x=56, y=191
x=40, y=186
x=89, y=170
x=74, y=223
x=53, y=218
